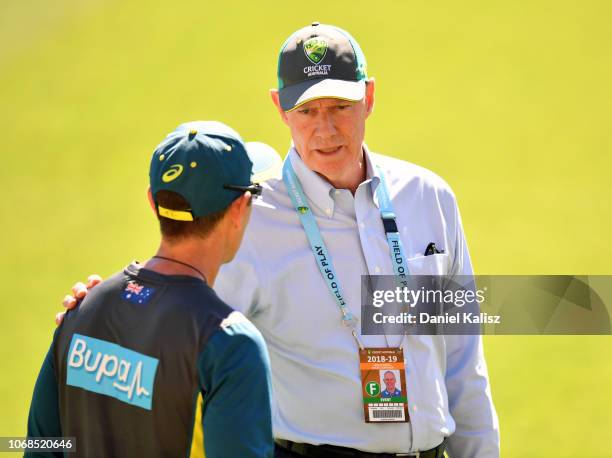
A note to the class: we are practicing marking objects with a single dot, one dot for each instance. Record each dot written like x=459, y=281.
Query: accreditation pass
x=383, y=381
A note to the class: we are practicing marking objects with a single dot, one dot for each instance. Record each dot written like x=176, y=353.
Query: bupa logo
x=107, y=368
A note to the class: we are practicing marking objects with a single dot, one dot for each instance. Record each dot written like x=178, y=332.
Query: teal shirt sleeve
x=44, y=419
x=234, y=372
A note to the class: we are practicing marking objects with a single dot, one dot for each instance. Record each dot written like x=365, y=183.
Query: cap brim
x=295, y=95
x=266, y=161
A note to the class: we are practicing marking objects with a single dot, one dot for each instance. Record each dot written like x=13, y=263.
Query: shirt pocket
x=434, y=264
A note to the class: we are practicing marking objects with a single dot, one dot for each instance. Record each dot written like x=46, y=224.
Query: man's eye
x=304, y=111
x=343, y=107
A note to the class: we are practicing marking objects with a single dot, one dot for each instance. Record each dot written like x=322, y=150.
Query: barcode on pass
x=386, y=414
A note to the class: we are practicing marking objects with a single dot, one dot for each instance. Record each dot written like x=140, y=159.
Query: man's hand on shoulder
x=79, y=291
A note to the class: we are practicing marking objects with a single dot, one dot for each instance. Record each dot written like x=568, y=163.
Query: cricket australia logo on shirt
x=315, y=49
x=107, y=368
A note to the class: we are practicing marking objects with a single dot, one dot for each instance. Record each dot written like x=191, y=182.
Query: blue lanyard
x=320, y=252
x=396, y=249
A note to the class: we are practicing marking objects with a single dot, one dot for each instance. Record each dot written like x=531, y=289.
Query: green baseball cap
x=320, y=61
x=208, y=164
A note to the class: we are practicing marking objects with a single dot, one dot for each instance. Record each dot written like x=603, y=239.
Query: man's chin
x=329, y=171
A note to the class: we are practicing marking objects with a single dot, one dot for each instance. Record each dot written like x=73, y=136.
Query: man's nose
x=325, y=125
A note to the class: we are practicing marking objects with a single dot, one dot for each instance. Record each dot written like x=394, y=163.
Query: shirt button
x=414, y=408
x=328, y=211
x=337, y=191
x=362, y=225
x=377, y=269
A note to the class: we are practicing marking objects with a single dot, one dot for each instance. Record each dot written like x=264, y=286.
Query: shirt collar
x=315, y=187
x=372, y=172
x=318, y=190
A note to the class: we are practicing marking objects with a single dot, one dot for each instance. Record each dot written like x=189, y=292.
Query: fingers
x=59, y=318
x=69, y=302
x=79, y=290
x=93, y=280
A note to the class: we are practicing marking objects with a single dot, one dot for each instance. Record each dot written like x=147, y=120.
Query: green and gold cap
x=320, y=61
x=208, y=164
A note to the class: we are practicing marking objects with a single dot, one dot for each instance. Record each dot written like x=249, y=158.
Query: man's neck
x=349, y=179
x=350, y=182
x=202, y=255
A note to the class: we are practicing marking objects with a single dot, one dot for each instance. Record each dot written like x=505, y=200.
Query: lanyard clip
x=389, y=223
x=348, y=319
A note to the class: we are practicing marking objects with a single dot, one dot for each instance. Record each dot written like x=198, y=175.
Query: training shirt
x=315, y=363
x=155, y=365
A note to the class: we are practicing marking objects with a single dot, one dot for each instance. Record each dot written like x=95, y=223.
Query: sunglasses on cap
x=255, y=189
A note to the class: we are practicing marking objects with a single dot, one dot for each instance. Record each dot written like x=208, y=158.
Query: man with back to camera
x=153, y=363
x=341, y=210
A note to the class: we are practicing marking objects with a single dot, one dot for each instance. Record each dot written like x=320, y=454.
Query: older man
x=340, y=212
x=333, y=197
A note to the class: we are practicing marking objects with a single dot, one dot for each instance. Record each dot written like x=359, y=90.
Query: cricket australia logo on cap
x=315, y=49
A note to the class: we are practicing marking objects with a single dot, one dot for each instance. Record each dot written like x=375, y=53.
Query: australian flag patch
x=137, y=294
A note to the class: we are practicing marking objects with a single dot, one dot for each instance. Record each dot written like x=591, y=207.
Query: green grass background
x=509, y=101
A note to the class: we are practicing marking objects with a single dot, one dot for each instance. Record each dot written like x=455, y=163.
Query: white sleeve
x=239, y=283
x=467, y=379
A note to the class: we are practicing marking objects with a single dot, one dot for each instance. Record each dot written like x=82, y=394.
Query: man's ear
x=239, y=209
x=369, y=96
x=276, y=100
x=151, y=201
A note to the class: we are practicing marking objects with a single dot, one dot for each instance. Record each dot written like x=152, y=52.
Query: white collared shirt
x=275, y=281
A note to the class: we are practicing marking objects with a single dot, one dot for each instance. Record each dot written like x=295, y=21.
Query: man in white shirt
x=325, y=97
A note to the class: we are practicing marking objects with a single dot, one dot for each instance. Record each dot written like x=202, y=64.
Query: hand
x=79, y=291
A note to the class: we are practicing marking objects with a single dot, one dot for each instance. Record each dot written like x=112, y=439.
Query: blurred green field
x=509, y=101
